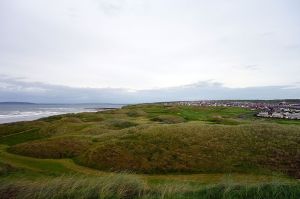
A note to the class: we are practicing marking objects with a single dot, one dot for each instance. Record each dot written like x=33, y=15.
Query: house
x=263, y=114
x=277, y=115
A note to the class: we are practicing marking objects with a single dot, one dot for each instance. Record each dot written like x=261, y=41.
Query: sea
x=14, y=112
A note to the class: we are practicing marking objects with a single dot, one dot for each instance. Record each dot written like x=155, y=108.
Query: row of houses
x=282, y=115
x=269, y=109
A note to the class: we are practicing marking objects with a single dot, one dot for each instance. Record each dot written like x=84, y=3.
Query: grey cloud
x=20, y=90
x=146, y=44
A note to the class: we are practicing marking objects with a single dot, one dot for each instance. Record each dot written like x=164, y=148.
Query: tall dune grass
x=126, y=186
x=111, y=186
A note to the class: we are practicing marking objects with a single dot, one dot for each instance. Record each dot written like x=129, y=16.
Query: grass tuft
x=136, y=113
x=124, y=186
x=61, y=147
x=168, y=119
x=120, y=123
x=120, y=186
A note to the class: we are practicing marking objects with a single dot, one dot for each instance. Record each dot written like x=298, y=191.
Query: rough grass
x=182, y=148
x=14, y=128
x=136, y=113
x=168, y=119
x=226, y=121
x=90, y=117
x=56, y=167
x=191, y=113
x=36, y=166
x=61, y=147
x=122, y=186
x=196, y=147
x=113, y=186
x=6, y=169
x=62, y=127
x=243, y=145
x=263, y=191
x=120, y=123
x=23, y=136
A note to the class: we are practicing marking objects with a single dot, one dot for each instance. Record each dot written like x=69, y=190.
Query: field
x=151, y=151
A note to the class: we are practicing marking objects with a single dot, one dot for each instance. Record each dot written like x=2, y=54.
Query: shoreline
x=35, y=115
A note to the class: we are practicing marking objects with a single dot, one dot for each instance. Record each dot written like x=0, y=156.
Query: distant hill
x=15, y=103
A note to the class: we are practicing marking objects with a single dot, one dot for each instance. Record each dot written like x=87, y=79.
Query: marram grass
x=126, y=186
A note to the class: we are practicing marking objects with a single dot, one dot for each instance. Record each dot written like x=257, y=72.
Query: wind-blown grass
x=113, y=186
x=124, y=186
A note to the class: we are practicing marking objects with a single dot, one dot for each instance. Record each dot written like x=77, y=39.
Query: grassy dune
x=58, y=147
x=174, y=151
x=195, y=147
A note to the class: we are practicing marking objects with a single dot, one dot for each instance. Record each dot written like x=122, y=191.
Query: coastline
x=12, y=114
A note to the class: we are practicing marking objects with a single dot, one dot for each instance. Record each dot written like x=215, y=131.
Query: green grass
x=59, y=147
x=114, y=186
x=195, y=113
x=51, y=167
x=109, y=185
x=174, y=151
x=168, y=119
x=23, y=136
x=31, y=165
x=6, y=169
x=120, y=123
x=136, y=113
x=122, y=186
x=193, y=147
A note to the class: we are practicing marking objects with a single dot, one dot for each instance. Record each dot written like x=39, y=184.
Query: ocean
x=14, y=112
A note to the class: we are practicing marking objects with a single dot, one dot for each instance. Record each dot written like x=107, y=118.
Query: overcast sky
x=132, y=46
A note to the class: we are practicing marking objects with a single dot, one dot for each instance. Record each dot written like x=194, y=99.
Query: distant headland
x=15, y=103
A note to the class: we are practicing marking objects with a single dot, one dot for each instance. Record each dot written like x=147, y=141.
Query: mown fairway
x=151, y=151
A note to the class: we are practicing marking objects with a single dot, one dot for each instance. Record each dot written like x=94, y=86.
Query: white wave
x=14, y=114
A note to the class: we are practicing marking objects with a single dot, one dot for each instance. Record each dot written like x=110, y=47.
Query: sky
x=148, y=50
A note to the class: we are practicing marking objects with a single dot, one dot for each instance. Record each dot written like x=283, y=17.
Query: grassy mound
x=221, y=120
x=168, y=119
x=192, y=147
x=136, y=113
x=90, y=117
x=62, y=127
x=61, y=147
x=25, y=136
x=15, y=128
x=120, y=123
x=79, y=117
